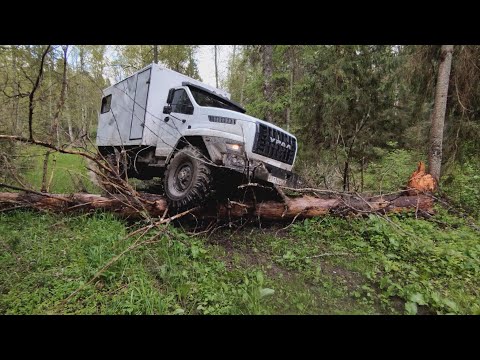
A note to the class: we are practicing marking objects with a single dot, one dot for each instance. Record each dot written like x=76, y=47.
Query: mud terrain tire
x=188, y=179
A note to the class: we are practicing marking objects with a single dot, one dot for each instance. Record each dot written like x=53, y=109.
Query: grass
x=47, y=257
x=323, y=266
x=374, y=265
x=69, y=171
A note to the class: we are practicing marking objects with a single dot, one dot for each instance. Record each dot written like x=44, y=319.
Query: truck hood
x=244, y=119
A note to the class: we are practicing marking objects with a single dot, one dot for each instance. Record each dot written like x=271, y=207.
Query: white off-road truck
x=172, y=126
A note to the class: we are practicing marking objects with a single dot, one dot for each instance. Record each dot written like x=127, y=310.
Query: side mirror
x=170, y=96
x=167, y=109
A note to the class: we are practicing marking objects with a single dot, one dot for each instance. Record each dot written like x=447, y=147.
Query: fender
x=212, y=147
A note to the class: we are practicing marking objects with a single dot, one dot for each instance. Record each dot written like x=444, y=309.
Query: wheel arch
x=196, y=141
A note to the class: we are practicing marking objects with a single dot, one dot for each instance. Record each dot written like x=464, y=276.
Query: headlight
x=238, y=148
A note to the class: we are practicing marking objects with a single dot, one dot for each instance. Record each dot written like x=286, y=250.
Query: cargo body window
x=181, y=102
x=106, y=104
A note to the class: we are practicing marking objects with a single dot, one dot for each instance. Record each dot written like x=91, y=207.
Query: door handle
x=166, y=119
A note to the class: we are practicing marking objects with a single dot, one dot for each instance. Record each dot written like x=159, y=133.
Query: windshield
x=203, y=98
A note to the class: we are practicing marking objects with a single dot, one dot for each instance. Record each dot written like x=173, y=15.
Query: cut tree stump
x=420, y=181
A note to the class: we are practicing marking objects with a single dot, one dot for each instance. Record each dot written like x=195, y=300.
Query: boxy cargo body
x=135, y=114
x=136, y=106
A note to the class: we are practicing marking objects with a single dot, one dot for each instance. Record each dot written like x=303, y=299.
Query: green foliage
x=46, y=258
x=349, y=103
x=329, y=265
x=131, y=58
x=359, y=104
x=428, y=265
x=90, y=69
x=392, y=169
x=68, y=173
x=462, y=185
x=19, y=69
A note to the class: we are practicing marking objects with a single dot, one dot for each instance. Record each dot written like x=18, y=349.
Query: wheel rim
x=183, y=178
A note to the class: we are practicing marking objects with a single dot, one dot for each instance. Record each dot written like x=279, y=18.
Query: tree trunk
x=292, y=78
x=69, y=120
x=216, y=66
x=244, y=77
x=438, y=117
x=155, y=54
x=61, y=100
x=50, y=97
x=267, y=53
x=155, y=205
x=82, y=58
x=45, y=172
x=31, y=96
x=16, y=100
x=231, y=69
x=346, y=180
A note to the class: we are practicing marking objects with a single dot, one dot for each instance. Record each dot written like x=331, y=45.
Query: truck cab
x=169, y=125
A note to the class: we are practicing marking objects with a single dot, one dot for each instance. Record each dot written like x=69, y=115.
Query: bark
x=233, y=56
x=292, y=78
x=155, y=54
x=31, y=97
x=438, y=116
x=216, y=66
x=61, y=100
x=232, y=67
x=267, y=53
x=45, y=172
x=244, y=77
x=16, y=123
x=69, y=123
x=155, y=205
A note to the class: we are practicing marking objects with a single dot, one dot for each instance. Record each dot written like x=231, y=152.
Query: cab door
x=174, y=124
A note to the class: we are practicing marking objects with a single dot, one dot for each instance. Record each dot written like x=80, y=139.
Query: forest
x=387, y=220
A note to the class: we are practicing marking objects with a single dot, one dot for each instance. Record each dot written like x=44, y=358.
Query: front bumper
x=222, y=153
x=262, y=171
x=277, y=176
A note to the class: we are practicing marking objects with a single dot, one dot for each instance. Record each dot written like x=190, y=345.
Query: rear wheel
x=188, y=179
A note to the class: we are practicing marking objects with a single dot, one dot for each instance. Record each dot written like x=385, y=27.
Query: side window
x=181, y=102
x=106, y=104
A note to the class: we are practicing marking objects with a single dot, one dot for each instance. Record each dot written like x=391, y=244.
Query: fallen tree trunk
x=82, y=202
x=155, y=205
x=310, y=206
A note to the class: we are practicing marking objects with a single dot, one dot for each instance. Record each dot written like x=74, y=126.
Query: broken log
x=309, y=206
x=82, y=202
x=155, y=205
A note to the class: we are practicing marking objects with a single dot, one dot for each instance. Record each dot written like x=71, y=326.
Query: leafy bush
x=462, y=185
x=434, y=265
x=392, y=171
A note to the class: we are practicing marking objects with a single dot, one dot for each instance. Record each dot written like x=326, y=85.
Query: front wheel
x=188, y=179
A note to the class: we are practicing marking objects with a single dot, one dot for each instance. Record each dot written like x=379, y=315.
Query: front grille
x=274, y=144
